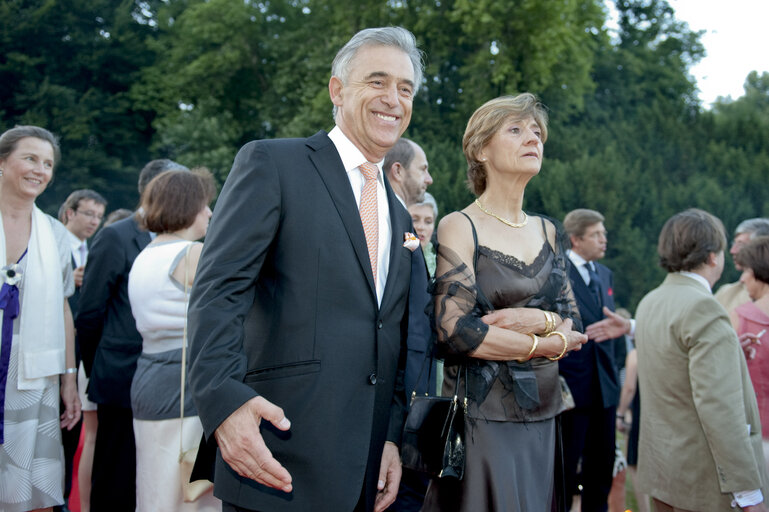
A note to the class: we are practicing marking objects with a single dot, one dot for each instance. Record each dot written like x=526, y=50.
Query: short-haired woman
x=175, y=206
x=504, y=311
x=753, y=318
x=37, y=338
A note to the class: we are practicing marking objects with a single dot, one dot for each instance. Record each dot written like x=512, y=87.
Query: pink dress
x=753, y=320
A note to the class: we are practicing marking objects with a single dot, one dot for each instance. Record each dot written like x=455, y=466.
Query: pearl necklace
x=503, y=220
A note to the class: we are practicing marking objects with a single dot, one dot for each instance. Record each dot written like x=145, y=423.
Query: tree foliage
x=125, y=81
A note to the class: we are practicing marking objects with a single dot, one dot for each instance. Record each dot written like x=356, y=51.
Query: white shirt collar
x=351, y=156
x=704, y=282
x=74, y=242
x=575, y=258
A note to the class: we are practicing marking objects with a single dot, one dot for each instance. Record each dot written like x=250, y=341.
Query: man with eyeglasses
x=588, y=430
x=81, y=213
x=731, y=295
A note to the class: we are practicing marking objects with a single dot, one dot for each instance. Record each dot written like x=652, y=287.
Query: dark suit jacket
x=284, y=306
x=594, y=360
x=419, y=377
x=106, y=329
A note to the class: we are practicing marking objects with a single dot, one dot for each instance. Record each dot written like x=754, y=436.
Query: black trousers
x=228, y=507
x=589, y=435
x=113, y=481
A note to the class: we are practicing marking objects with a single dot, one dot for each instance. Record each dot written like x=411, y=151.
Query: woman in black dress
x=504, y=314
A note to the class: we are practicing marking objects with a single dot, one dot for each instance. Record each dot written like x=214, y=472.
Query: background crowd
x=513, y=291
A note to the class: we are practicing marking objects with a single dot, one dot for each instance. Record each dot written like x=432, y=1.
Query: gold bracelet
x=535, y=342
x=552, y=321
x=565, y=345
x=547, y=322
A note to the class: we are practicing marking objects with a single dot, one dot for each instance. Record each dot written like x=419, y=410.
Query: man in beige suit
x=700, y=446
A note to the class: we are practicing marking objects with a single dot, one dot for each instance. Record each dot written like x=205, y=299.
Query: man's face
x=374, y=106
x=84, y=221
x=592, y=244
x=737, y=244
x=416, y=177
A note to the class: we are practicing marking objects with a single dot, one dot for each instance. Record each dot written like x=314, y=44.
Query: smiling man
x=297, y=316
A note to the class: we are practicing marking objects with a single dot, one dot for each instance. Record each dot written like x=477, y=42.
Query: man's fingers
x=270, y=412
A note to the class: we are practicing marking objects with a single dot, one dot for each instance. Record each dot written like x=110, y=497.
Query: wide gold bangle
x=535, y=342
x=565, y=345
x=548, y=321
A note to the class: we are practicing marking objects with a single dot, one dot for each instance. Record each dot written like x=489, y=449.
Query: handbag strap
x=184, y=347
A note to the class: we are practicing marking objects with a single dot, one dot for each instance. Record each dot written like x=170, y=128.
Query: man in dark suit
x=591, y=373
x=81, y=213
x=406, y=168
x=110, y=345
x=298, y=313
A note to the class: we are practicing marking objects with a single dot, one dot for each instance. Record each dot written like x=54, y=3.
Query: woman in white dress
x=175, y=206
x=37, y=357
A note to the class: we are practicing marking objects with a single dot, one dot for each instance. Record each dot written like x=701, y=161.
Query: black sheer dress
x=510, y=430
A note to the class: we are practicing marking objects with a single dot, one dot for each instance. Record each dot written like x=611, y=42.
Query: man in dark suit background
x=406, y=168
x=298, y=313
x=110, y=345
x=81, y=213
x=591, y=373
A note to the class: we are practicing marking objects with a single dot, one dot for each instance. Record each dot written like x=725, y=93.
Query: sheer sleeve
x=559, y=284
x=459, y=305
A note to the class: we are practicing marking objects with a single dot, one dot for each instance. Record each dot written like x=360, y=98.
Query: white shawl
x=41, y=341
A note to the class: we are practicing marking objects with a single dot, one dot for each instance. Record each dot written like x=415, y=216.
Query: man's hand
x=78, y=275
x=755, y=508
x=613, y=326
x=748, y=342
x=72, y=406
x=389, y=477
x=243, y=448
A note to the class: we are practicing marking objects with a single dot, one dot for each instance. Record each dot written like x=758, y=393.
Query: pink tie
x=369, y=214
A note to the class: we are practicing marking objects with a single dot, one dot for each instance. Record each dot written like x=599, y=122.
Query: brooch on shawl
x=410, y=241
x=10, y=274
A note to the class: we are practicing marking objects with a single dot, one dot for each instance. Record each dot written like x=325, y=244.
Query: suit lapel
x=329, y=166
x=396, y=243
x=580, y=289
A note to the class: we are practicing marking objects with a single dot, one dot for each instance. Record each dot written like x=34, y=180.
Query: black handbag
x=434, y=435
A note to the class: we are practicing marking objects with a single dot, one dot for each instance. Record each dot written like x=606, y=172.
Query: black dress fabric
x=510, y=441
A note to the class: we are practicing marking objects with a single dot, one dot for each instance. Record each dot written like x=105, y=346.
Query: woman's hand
x=72, y=406
x=519, y=319
x=748, y=342
x=554, y=344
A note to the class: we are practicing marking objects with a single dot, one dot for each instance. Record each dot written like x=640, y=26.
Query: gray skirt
x=509, y=467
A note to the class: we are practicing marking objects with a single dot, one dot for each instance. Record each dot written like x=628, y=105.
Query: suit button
x=380, y=324
x=372, y=378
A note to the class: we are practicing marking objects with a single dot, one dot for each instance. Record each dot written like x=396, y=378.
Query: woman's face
x=755, y=288
x=200, y=226
x=29, y=168
x=424, y=222
x=516, y=147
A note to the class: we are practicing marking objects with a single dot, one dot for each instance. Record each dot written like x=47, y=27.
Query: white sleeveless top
x=157, y=299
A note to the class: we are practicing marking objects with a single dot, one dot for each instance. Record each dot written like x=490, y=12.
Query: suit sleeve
x=716, y=368
x=106, y=261
x=242, y=230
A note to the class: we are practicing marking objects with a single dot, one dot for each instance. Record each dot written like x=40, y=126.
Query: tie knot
x=369, y=171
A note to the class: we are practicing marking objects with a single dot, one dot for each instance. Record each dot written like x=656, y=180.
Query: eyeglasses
x=90, y=214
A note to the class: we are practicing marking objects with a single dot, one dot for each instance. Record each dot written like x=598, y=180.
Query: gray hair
x=397, y=37
x=429, y=200
x=155, y=167
x=754, y=227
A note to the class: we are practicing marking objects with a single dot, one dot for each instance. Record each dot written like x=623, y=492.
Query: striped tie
x=369, y=214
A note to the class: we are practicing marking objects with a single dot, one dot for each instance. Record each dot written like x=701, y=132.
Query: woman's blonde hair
x=486, y=121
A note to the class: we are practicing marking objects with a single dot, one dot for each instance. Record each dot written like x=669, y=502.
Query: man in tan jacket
x=700, y=445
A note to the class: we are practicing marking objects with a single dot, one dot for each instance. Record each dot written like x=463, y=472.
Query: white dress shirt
x=74, y=244
x=352, y=157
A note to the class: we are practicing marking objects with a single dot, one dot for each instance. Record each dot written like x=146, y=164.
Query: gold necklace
x=503, y=220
